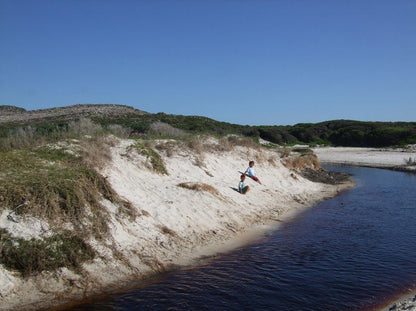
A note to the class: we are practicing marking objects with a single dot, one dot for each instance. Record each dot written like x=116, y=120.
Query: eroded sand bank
x=175, y=226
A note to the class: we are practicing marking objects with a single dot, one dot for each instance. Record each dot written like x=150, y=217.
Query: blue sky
x=240, y=61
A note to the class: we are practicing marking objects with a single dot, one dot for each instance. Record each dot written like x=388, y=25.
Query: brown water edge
x=397, y=298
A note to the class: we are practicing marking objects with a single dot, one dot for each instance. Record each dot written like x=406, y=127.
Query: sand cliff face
x=175, y=225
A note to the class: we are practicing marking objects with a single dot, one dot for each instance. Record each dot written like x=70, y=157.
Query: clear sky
x=241, y=61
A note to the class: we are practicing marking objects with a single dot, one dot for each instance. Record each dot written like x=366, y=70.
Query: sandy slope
x=176, y=226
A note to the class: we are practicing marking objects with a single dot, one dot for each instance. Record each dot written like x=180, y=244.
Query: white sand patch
x=7, y=282
x=365, y=156
x=26, y=227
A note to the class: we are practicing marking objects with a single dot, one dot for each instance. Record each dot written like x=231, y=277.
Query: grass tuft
x=168, y=231
x=169, y=147
x=199, y=187
x=303, y=162
x=155, y=159
x=55, y=185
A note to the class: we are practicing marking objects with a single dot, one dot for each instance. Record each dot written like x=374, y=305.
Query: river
x=356, y=251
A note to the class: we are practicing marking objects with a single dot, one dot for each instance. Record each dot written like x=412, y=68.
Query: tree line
x=333, y=133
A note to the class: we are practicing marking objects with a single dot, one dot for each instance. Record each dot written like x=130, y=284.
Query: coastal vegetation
x=156, y=162
x=93, y=199
x=50, y=172
x=65, y=249
x=49, y=168
x=128, y=120
x=55, y=181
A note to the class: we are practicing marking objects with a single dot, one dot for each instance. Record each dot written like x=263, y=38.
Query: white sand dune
x=176, y=226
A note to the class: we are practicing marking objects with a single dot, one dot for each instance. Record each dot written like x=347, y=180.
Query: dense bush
x=337, y=132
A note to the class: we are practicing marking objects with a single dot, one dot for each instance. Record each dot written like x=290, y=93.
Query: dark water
x=353, y=252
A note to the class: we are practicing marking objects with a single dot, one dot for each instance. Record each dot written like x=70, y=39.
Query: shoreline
x=259, y=231
x=403, y=169
x=175, y=226
x=403, y=302
x=207, y=253
x=382, y=159
x=391, y=159
x=178, y=227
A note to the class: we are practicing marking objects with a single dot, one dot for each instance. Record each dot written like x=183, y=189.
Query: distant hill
x=16, y=115
x=10, y=110
x=335, y=132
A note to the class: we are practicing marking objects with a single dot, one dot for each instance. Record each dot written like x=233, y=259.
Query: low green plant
x=57, y=186
x=155, y=159
x=64, y=249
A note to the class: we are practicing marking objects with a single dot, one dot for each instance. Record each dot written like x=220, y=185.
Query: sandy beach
x=372, y=157
x=175, y=225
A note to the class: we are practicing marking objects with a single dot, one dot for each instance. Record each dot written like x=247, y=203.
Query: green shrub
x=65, y=249
x=57, y=186
x=155, y=159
